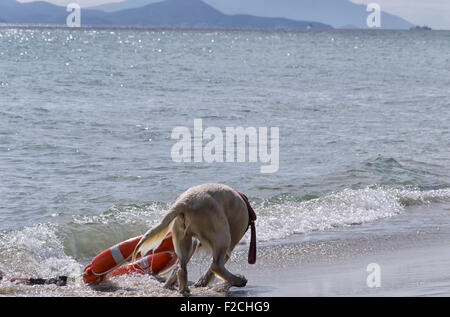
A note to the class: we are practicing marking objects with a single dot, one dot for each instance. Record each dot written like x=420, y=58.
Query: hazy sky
x=435, y=13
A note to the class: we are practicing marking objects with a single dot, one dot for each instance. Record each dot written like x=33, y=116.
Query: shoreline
x=414, y=261
x=414, y=271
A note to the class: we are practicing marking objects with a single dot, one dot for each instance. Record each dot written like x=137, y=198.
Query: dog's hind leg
x=182, y=242
x=186, y=245
x=173, y=276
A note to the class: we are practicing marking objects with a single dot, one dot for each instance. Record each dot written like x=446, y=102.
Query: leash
x=251, y=223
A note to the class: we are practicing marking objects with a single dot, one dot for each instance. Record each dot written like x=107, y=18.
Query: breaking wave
x=50, y=249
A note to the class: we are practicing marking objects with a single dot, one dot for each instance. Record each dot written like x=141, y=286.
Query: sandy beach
x=413, y=271
x=412, y=262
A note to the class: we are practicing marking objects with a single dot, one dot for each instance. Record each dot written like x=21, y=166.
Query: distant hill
x=12, y=11
x=169, y=13
x=196, y=13
x=130, y=4
x=337, y=13
x=41, y=12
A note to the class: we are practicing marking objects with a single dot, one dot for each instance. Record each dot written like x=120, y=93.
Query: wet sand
x=414, y=261
x=416, y=271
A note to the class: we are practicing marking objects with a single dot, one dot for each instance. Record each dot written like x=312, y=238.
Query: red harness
x=251, y=223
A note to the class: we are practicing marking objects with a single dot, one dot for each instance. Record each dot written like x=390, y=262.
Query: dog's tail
x=155, y=236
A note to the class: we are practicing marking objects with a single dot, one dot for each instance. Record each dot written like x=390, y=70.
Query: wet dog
x=215, y=215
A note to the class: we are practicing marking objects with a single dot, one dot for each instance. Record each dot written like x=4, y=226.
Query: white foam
x=37, y=250
x=350, y=206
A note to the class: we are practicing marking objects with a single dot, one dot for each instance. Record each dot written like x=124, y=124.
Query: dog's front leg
x=208, y=276
x=218, y=267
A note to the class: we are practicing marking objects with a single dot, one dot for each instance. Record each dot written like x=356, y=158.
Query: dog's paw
x=185, y=292
x=241, y=281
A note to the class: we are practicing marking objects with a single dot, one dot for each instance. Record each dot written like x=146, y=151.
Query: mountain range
x=337, y=13
x=294, y=14
x=168, y=13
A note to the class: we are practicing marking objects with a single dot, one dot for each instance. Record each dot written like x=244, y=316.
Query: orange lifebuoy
x=156, y=262
x=117, y=255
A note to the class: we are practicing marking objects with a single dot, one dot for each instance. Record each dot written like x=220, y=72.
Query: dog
x=216, y=216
